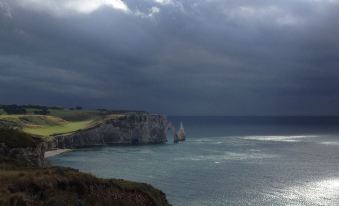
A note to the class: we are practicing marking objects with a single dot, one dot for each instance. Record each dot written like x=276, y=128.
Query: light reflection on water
x=291, y=138
x=323, y=192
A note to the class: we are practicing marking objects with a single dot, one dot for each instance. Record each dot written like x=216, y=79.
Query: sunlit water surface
x=230, y=161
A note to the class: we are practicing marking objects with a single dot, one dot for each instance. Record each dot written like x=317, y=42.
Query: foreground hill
x=23, y=182
x=63, y=186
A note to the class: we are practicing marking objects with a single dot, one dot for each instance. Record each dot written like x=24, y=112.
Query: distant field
x=58, y=121
x=75, y=115
x=31, y=120
x=66, y=114
x=46, y=125
x=68, y=127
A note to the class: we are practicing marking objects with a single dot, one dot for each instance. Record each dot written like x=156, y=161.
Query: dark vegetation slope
x=63, y=186
x=17, y=139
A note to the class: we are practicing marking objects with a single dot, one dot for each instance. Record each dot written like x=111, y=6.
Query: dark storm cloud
x=176, y=57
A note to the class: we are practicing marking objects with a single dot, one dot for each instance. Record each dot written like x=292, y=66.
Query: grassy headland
x=67, y=127
x=47, y=122
x=45, y=125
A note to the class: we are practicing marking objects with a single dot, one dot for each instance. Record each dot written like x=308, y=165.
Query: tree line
x=39, y=109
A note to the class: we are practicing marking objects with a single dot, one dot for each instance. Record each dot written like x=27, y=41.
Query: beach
x=53, y=153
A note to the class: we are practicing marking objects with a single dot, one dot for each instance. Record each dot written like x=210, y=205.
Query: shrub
x=14, y=109
x=15, y=138
x=42, y=112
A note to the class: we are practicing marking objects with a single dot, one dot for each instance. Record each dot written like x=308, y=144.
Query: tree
x=42, y=112
x=14, y=109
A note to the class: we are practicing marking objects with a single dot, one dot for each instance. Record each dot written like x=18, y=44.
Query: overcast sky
x=188, y=57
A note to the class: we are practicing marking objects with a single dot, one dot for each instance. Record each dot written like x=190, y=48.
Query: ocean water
x=230, y=161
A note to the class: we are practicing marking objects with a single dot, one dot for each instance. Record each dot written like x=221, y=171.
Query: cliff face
x=22, y=147
x=32, y=156
x=133, y=128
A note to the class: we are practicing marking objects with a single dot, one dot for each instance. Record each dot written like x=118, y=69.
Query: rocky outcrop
x=32, y=156
x=180, y=136
x=133, y=128
x=22, y=147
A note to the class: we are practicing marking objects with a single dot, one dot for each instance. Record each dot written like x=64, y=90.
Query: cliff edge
x=22, y=147
x=130, y=128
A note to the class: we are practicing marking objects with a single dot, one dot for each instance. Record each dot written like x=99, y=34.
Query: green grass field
x=49, y=130
x=24, y=119
x=46, y=125
x=75, y=115
x=58, y=121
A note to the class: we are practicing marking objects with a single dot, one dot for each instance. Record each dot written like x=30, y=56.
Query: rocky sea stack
x=180, y=135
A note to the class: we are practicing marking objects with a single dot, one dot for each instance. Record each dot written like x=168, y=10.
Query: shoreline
x=52, y=153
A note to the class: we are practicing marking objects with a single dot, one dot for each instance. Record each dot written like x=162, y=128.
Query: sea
x=261, y=161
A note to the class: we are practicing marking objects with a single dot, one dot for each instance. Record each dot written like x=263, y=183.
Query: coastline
x=28, y=154
x=56, y=152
